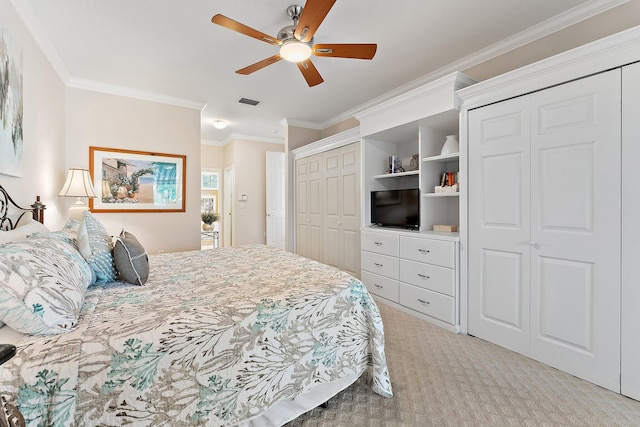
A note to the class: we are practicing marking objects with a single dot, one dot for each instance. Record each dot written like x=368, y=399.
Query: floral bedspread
x=214, y=338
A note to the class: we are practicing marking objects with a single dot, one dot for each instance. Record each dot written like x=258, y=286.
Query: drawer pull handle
x=423, y=301
x=424, y=251
x=377, y=264
x=378, y=286
x=377, y=243
x=422, y=276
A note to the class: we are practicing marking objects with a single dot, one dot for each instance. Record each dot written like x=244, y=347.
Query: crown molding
x=134, y=93
x=610, y=52
x=212, y=143
x=543, y=29
x=254, y=138
x=329, y=143
x=302, y=124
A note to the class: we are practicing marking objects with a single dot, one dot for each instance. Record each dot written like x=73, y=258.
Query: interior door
x=275, y=198
x=499, y=224
x=576, y=209
x=227, y=220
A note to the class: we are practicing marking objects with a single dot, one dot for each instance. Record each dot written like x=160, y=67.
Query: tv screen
x=396, y=208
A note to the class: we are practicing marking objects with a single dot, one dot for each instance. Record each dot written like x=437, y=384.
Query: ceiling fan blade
x=259, y=65
x=356, y=51
x=243, y=29
x=312, y=16
x=310, y=73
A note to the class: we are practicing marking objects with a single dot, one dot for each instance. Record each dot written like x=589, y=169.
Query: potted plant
x=208, y=218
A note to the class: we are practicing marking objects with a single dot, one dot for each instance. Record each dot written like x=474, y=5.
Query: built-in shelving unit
x=396, y=262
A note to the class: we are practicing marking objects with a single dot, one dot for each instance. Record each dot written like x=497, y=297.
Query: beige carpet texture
x=443, y=379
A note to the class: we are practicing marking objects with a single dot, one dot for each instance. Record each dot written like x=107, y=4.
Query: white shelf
x=442, y=158
x=395, y=175
x=456, y=194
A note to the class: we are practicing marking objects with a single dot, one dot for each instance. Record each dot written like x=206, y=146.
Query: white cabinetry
x=415, y=270
x=550, y=256
x=416, y=273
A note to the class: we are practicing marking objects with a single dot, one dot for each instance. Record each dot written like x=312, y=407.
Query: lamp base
x=76, y=210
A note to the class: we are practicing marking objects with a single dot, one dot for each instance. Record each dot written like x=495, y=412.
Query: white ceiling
x=170, y=51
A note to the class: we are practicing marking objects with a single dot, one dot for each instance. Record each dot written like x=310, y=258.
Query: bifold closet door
x=341, y=190
x=309, y=207
x=630, y=357
x=544, y=226
x=575, y=234
x=499, y=224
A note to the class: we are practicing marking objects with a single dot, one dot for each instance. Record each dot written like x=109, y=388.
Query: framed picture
x=137, y=181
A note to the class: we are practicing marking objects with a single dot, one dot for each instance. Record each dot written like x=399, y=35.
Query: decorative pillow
x=22, y=232
x=131, y=259
x=70, y=229
x=94, y=243
x=42, y=284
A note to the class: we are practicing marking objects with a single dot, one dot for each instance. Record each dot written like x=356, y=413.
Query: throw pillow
x=42, y=284
x=94, y=243
x=131, y=259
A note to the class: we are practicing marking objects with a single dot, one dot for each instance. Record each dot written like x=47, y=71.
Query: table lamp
x=79, y=185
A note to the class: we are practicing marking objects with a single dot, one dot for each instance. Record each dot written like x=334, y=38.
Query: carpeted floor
x=443, y=379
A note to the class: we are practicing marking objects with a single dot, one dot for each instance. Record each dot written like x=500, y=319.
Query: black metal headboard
x=11, y=213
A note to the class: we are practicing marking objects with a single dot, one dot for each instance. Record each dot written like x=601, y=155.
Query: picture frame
x=137, y=181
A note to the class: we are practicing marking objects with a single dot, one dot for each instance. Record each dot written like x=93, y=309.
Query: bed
x=233, y=336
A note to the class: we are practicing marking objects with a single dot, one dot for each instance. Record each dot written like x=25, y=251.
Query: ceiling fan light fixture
x=295, y=51
x=219, y=124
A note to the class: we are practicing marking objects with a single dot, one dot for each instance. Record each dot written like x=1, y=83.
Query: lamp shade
x=78, y=184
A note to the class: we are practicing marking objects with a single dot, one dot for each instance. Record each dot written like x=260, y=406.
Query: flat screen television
x=396, y=208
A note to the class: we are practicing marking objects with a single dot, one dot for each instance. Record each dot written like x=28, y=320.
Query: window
x=210, y=180
x=209, y=191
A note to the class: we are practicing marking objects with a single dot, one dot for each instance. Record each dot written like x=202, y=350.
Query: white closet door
x=350, y=208
x=309, y=207
x=575, y=205
x=341, y=176
x=630, y=357
x=499, y=224
x=332, y=196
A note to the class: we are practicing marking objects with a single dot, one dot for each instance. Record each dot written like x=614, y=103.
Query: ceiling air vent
x=248, y=101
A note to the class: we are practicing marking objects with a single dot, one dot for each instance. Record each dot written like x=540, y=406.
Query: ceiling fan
x=296, y=41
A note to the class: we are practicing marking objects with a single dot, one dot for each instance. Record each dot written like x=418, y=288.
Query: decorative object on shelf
x=414, y=163
x=137, y=181
x=445, y=228
x=394, y=164
x=208, y=218
x=448, y=183
x=451, y=145
x=78, y=185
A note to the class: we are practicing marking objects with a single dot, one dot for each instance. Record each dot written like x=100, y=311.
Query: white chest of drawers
x=416, y=272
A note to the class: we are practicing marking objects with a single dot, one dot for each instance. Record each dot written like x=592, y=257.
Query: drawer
x=438, y=252
x=383, y=265
x=381, y=243
x=381, y=286
x=434, y=278
x=430, y=303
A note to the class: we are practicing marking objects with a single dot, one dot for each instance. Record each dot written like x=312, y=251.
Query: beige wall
x=103, y=120
x=613, y=21
x=43, y=132
x=249, y=161
x=339, y=127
